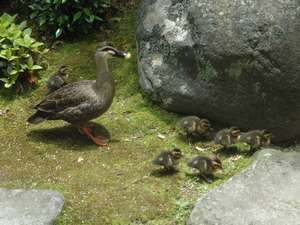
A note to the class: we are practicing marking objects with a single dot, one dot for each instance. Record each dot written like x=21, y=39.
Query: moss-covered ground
x=117, y=185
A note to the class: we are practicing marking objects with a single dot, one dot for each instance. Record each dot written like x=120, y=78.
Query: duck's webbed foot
x=98, y=140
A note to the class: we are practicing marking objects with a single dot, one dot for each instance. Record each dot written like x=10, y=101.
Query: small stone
x=200, y=149
x=80, y=159
x=29, y=207
x=161, y=136
x=235, y=158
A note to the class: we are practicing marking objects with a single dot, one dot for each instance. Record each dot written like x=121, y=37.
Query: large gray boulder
x=29, y=207
x=235, y=62
x=267, y=193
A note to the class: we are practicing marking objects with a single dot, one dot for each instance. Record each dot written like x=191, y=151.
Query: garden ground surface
x=117, y=185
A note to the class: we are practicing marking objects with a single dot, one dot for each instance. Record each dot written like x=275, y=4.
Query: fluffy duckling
x=58, y=79
x=168, y=159
x=193, y=126
x=227, y=137
x=206, y=166
x=256, y=138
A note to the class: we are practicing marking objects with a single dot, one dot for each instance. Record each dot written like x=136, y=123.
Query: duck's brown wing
x=68, y=96
x=71, y=103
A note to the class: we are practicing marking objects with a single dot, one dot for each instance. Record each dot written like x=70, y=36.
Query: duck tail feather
x=37, y=118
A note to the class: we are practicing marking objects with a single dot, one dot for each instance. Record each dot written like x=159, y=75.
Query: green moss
x=209, y=72
x=236, y=69
x=112, y=185
x=233, y=70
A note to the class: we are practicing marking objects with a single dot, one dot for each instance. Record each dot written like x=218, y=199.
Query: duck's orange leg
x=98, y=140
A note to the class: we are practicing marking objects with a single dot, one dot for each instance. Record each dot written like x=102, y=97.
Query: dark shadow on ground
x=67, y=136
x=234, y=151
x=163, y=172
x=229, y=151
x=192, y=139
x=201, y=180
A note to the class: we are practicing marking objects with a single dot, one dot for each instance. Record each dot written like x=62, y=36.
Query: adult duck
x=82, y=101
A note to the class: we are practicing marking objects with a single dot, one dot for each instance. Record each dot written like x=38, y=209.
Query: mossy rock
x=234, y=62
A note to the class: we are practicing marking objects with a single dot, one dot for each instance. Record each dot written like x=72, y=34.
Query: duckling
x=227, y=137
x=80, y=102
x=256, y=138
x=193, y=126
x=267, y=138
x=168, y=159
x=58, y=79
x=206, y=165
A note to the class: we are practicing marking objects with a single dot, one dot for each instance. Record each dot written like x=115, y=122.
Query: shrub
x=19, y=52
x=59, y=17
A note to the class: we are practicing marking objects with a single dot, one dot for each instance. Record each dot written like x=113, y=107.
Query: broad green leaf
x=12, y=58
x=46, y=50
x=24, y=66
x=13, y=72
x=27, y=32
x=33, y=15
x=17, y=48
x=58, y=32
x=30, y=62
x=37, y=44
x=5, y=80
x=42, y=21
x=8, y=84
x=22, y=25
x=36, y=67
x=87, y=11
x=3, y=55
x=6, y=19
x=77, y=16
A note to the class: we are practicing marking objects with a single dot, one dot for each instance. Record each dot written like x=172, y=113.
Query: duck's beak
x=120, y=54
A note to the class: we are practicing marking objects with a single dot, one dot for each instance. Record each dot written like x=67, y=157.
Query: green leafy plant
x=59, y=17
x=19, y=52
